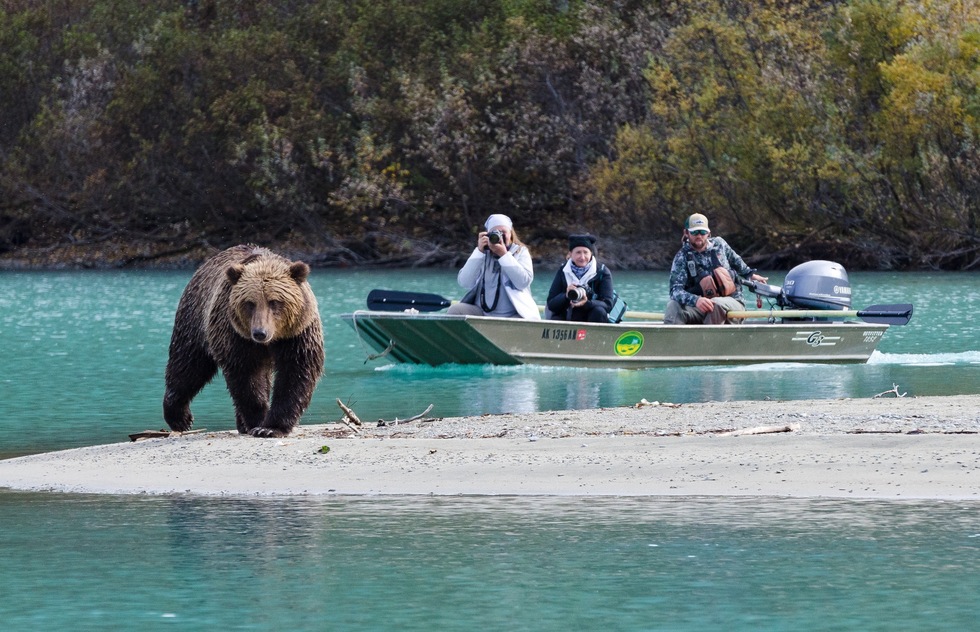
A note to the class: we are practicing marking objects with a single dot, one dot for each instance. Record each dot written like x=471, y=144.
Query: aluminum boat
x=436, y=339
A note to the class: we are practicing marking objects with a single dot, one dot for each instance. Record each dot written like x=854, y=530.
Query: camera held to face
x=495, y=237
x=577, y=294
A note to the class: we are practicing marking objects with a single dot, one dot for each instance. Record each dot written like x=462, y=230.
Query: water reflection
x=503, y=563
x=511, y=393
x=582, y=392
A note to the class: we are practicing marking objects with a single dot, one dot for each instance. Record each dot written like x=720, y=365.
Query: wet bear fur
x=251, y=313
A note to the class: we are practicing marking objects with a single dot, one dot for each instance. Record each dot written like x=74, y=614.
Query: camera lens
x=495, y=236
x=576, y=294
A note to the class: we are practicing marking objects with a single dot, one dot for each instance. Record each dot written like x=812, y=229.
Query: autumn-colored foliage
x=385, y=131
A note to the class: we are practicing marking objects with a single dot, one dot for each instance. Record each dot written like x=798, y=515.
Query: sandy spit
x=889, y=447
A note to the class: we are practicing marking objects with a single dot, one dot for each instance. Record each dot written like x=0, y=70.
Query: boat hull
x=436, y=339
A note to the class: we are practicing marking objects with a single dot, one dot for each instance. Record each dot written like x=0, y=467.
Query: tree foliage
x=386, y=131
x=851, y=141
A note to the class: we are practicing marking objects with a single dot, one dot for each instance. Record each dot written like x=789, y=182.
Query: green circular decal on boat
x=629, y=343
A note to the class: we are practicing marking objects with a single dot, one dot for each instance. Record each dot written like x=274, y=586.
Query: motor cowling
x=817, y=285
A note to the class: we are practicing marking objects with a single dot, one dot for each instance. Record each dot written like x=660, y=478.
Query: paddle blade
x=395, y=301
x=899, y=314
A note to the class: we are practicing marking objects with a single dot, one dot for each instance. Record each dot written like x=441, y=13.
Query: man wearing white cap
x=702, y=278
x=497, y=275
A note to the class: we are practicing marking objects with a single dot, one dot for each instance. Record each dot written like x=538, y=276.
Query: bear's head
x=270, y=299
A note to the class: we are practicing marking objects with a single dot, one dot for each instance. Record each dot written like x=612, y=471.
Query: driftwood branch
x=894, y=389
x=644, y=403
x=350, y=419
x=396, y=420
x=760, y=430
x=157, y=434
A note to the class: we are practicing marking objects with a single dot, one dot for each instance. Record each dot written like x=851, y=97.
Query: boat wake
x=760, y=367
x=926, y=359
x=453, y=369
x=962, y=358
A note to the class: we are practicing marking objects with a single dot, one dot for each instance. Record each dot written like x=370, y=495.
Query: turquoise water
x=82, y=356
x=486, y=563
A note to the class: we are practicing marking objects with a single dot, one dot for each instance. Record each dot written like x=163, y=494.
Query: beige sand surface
x=889, y=447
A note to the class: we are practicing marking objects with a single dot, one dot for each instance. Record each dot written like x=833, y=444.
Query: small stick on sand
x=894, y=389
x=760, y=430
x=394, y=422
x=155, y=434
x=350, y=419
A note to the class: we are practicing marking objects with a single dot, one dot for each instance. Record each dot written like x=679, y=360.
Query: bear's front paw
x=181, y=424
x=177, y=416
x=267, y=433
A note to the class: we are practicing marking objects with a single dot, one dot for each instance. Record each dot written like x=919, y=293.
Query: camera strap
x=491, y=270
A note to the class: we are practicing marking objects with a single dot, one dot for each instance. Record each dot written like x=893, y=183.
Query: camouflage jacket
x=685, y=289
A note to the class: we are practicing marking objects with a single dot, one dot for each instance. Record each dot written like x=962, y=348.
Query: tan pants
x=677, y=314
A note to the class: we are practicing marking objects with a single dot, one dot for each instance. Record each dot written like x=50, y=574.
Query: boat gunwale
x=625, y=324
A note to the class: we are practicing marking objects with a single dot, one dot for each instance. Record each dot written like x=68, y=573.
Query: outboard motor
x=821, y=285
x=817, y=285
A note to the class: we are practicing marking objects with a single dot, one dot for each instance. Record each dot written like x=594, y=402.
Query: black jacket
x=600, y=290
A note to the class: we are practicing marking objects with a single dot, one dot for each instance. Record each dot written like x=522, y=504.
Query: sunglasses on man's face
x=698, y=232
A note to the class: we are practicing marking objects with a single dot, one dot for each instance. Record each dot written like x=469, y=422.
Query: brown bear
x=250, y=313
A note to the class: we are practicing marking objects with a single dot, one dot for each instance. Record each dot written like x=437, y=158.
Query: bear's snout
x=262, y=325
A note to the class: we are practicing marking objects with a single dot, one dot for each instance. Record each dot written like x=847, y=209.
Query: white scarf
x=570, y=277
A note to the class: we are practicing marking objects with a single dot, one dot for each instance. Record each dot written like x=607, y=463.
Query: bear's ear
x=299, y=271
x=234, y=272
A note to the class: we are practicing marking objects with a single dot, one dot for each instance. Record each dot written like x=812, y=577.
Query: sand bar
x=889, y=447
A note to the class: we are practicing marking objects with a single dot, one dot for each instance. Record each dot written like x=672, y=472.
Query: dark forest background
x=383, y=132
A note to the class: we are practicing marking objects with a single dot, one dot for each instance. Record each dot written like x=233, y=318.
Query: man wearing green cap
x=702, y=287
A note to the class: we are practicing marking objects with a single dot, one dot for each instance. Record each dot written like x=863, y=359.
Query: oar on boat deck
x=397, y=301
x=897, y=314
